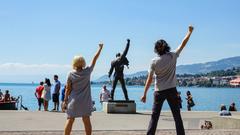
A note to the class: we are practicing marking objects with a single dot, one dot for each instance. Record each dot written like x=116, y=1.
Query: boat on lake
x=13, y=104
x=10, y=105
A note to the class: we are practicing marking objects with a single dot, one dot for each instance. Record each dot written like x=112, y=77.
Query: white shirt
x=164, y=68
x=105, y=94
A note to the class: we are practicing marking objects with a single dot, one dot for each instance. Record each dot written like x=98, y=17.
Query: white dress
x=47, y=92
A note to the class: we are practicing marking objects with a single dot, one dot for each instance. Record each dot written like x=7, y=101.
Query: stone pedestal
x=119, y=106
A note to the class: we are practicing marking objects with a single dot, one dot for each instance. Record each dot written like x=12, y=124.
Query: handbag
x=191, y=103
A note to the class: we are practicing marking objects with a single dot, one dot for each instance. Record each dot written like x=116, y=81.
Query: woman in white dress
x=46, y=93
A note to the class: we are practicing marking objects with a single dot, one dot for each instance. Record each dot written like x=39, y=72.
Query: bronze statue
x=118, y=65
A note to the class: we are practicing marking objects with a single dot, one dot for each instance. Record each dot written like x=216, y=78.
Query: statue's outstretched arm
x=126, y=49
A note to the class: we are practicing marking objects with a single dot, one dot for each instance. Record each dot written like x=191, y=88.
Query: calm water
x=206, y=99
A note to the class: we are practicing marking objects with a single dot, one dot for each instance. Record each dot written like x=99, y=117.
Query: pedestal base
x=119, y=106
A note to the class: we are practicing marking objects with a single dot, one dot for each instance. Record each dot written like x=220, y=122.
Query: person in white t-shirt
x=163, y=67
x=104, y=94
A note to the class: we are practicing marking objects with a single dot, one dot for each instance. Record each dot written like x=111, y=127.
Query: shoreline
x=100, y=84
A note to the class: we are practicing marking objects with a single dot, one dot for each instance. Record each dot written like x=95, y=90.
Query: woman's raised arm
x=94, y=60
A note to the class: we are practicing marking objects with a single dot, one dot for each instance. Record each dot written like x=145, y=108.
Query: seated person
x=224, y=111
x=7, y=96
x=232, y=107
x=93, y=106
x=1, y=96
x=1, y=99
x=13, y=98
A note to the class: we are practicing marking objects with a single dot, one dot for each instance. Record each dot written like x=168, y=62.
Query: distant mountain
x=222, y=64
x=103, y=78
x=137, y=74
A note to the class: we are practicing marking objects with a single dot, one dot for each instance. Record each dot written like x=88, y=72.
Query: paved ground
x=52, y=123
x=162, y=132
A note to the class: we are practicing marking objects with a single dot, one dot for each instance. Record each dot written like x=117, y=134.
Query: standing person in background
x=232, y=107
x=190, y=102
x=62, y=97
x=164, y=68
x=56, y=93
x=78, y=99
x=179, y=99
x=104, y=94
x=46, y=93
x=38, y=95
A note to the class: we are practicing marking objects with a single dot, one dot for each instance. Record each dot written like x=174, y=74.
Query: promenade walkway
x=46, y=123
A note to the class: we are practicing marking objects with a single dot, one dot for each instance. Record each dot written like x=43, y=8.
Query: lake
x=206, y=99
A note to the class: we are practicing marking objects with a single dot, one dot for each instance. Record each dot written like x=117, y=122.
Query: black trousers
x=40, y=102
x=115, y=80
x=159, y=97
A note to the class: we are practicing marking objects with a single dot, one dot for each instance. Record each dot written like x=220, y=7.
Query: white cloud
x=33, y=69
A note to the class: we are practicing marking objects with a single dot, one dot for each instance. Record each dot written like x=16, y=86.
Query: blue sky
x=40, y=38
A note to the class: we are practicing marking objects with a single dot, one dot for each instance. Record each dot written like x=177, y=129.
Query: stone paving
x=162, y=132
x=49, y=123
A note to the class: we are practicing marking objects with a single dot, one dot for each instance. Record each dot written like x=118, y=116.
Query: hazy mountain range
x=197, y=68
x=137, y=74
x=222, y=64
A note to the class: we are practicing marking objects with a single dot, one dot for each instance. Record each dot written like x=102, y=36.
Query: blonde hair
x=78, y=62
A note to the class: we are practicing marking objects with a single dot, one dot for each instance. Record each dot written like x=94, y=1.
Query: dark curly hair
x=161, y=47
x=188, y=93
x=47, y=81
